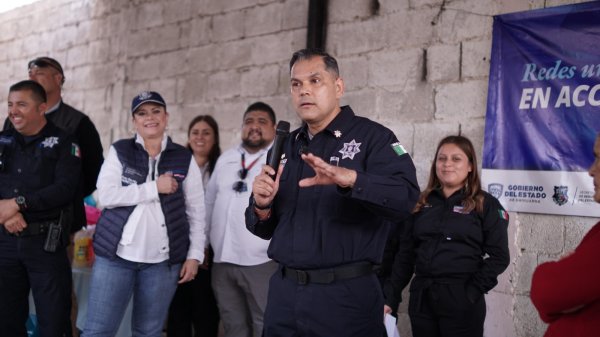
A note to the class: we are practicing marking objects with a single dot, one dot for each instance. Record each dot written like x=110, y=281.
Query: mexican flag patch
x=75, y=150
x=398, y=148
x=503, y=214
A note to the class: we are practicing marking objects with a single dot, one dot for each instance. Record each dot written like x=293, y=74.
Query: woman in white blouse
x=151, y=235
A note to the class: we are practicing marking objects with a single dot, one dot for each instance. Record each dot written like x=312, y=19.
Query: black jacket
x=43, y=168
x=442, y=244
x=79, y=125
x=325, y=226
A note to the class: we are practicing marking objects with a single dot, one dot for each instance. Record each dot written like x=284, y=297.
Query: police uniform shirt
x=442, y=243
x=43, y=168
x=326, y=225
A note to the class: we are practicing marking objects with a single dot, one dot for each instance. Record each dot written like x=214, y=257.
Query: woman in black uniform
x=456, y=245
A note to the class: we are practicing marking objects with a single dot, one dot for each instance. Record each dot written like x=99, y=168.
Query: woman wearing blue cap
x=150, y=236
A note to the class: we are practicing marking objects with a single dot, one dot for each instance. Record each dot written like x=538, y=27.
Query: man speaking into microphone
x=341, y=177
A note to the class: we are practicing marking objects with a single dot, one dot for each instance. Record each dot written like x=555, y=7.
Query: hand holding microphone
x=265, y=185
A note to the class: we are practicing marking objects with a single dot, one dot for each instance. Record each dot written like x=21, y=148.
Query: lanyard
x=244, y=171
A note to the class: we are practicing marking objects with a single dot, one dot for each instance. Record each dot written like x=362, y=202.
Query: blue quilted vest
x=134, y=158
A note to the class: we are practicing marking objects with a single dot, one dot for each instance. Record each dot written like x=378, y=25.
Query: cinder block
x=204, y=58
x=228, y=26
x=354, y=71
x=410, y=105
x=294, y=14
x=64, y=37
x=31, y=46
x=8, y=29
x=423, y=3
x=362, y=102
x=224, y=84
x=575, y=230
x=173, y=63
x=78, y=55
x=200, y=31
x=479, y=7
x=73, y=12
x=525, y=265
x=75, y=98
x=194, y=89
x=4, y=77
x=499, y=321
x=411, y=28
x=356, y=37
x=99, y=51
x=443, y=63
x=95, y=100
x=144, y=68
x=552, y=3
x=461, y=100
x=148, y=15
x=476, y=58
x=527, y=321
x=204, y=7
x=392, y=6
x=235, y=54
x=177, y=10
x=541, y=233
x=260, y=82
x=348, y=10
x=153, y=40
x=399, y=69
x=454, y=26
x=275, y=48
x=261, y=20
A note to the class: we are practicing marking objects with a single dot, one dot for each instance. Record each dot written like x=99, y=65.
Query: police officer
x=455, y=243
x=341, y=177
x=39, y=172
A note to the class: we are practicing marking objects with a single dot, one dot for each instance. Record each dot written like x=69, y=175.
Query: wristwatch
x=21, y=202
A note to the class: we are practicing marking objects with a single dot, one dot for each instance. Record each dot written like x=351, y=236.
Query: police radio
x=53, y=237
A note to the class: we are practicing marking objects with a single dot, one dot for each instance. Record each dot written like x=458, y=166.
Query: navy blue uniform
x=45, y=170
x=327, y=227
x=80, y=127
x=456, y=257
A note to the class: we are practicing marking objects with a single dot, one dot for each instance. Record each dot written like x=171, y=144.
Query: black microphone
x=281, y=133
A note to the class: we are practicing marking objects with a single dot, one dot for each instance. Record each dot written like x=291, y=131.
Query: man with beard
x=241, y=270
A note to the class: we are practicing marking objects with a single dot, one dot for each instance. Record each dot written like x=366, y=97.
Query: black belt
x=36, y=228
x=328, y=275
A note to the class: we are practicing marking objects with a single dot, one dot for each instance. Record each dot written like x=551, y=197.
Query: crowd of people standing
x=197, y=238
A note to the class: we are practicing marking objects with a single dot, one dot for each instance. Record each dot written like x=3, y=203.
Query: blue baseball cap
x=147, y=97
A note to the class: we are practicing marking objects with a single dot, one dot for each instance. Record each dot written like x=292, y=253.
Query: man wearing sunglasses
x=241, y=270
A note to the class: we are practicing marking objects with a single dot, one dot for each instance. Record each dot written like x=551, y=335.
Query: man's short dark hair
x=331, y=64
x=37, y=91
x=261, y=106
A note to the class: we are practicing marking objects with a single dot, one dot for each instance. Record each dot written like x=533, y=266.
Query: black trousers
x=194, y=305
x=24, y=265
x=348, y=308
x=443, y=310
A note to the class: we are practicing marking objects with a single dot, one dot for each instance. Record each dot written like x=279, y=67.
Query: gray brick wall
x=418, y=66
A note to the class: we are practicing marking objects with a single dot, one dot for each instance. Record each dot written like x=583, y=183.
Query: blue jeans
x=115, y=281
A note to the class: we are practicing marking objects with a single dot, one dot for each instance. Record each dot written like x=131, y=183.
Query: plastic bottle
x=82, y=243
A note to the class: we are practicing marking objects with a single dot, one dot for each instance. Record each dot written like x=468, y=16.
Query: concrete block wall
x=417, y=66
